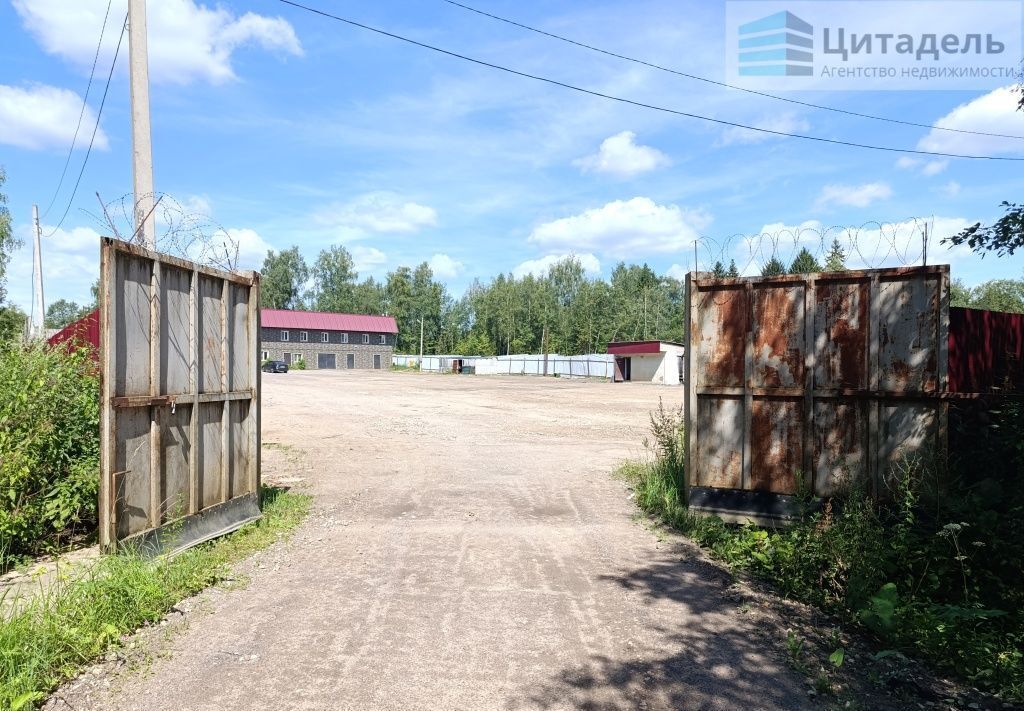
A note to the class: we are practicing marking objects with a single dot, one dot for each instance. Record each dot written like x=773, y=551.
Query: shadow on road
x=702, y=651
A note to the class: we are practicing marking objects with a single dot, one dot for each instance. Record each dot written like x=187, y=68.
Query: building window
x=285, y=336
x=304, y=336
x=344, y=338
x=266, y=355
x=383, y=340
x=325, y=337
x=366, y=338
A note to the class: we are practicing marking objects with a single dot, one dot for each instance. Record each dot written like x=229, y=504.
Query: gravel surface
x=468, y=550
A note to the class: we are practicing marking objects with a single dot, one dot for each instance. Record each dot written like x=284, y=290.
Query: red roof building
x=320, y=340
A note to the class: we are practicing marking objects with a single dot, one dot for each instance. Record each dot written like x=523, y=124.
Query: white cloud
x=41, y=116
x=367, y=258
x=950, y=189
x=252, y=249
x=927, y=168
x=187, y=41
x=539, y=267
x=71, y=263
x=624, y=228
x=377, y=213
x=676, y=271
x=444, y=267
x=783, y=123
x=620, y=155
x=853, y=195
x=994, y=112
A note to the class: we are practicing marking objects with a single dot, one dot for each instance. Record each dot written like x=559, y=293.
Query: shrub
x=49, y=447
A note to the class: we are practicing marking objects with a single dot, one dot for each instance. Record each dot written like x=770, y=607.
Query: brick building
x=325, y=340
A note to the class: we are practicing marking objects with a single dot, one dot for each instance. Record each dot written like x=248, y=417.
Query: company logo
x=779, y=45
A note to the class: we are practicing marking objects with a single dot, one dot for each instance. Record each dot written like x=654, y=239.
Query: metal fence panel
x=180, y=399
x=828, y=377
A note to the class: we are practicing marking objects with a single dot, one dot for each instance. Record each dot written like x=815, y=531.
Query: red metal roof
x=637, y=347
x=321, y=321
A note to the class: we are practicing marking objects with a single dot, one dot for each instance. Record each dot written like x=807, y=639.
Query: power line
x=610, y=97
x=697, y=77
x=81, y=114
x=95, y=128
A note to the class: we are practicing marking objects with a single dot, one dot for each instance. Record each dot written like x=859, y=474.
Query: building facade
x=648, y=361
x=327, y=340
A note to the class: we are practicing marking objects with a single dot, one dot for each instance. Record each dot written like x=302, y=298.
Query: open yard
x=468, y=549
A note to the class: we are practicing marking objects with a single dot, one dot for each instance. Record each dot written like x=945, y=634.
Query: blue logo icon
x=780, y=45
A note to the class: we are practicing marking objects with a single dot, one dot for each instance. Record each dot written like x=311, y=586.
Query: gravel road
x=468, y=550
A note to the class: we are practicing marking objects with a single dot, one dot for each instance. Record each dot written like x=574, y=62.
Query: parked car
x=275, y=366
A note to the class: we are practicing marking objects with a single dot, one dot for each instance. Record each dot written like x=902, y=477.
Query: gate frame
x=199, y=524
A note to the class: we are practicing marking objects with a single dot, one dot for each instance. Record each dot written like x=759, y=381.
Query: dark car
x=275, y=366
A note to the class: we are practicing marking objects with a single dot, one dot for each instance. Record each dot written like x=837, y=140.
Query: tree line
x=562, y=311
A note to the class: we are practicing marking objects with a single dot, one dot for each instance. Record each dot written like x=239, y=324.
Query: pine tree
x=835, y=260
x=773, y=268
x=719, y=271
x=733, y=271
x=805, y=263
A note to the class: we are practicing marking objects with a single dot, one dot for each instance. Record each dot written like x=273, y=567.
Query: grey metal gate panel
x=326, y=360
x=180, y=447
x=827, y=376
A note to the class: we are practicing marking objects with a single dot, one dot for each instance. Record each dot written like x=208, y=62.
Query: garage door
x=326, y=360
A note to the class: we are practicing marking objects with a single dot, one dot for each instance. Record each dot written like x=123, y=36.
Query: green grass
x=53, y=636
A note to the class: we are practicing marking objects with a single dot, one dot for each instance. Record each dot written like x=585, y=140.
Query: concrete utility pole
x=142, y=142
x=38, y=326
x=421, y=343
x=924, y=255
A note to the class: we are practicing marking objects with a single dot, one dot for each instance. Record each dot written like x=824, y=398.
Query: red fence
x=84, y=331
x=986, y=351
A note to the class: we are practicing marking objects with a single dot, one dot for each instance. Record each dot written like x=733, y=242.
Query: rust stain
x=728, y=311
x=842, y=317
x=778, y=357
x=777, y=445
x=900, y=373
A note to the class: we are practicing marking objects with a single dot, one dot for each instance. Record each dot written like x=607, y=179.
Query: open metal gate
x=180, y=445
x=830, y=377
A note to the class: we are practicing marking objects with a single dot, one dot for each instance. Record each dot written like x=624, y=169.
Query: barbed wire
x=181, y=231
x=870, y=245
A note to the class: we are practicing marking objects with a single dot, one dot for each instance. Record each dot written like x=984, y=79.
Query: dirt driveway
x=469, y=550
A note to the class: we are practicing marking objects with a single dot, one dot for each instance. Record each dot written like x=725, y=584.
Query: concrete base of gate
x=735, y=506
x=176, y=536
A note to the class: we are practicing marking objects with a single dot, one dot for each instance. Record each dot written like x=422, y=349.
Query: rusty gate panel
x=776, y=445
x=720, y=325
x=778, y=325
x=841, y=334
x=722, y=444
x=810, y=382
x=840, y=444
x=908, y=335
x=180, y=399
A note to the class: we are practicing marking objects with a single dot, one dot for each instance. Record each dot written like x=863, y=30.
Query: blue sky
x=286, y=128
